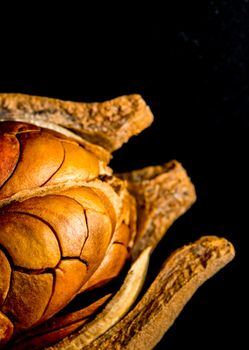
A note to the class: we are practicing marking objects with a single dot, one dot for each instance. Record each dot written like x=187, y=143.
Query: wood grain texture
x=182, y=274
x=163, y=193
x=108, y=124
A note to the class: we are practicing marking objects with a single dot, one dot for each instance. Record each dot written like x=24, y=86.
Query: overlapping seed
x=51, y=244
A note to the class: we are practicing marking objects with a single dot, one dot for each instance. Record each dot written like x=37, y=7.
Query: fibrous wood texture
x=108, y=124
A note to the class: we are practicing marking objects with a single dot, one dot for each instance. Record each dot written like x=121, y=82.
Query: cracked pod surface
x=64, y=220
x=160, y=194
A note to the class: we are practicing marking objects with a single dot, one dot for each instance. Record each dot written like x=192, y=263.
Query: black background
x=189, y=60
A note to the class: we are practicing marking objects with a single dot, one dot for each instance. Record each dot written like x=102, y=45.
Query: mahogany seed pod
x=68, y=225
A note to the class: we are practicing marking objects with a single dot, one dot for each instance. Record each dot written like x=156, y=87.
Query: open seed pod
x=69, y=229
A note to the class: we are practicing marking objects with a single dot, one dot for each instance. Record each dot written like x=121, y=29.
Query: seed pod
x=61, y=226
x=68, y=226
